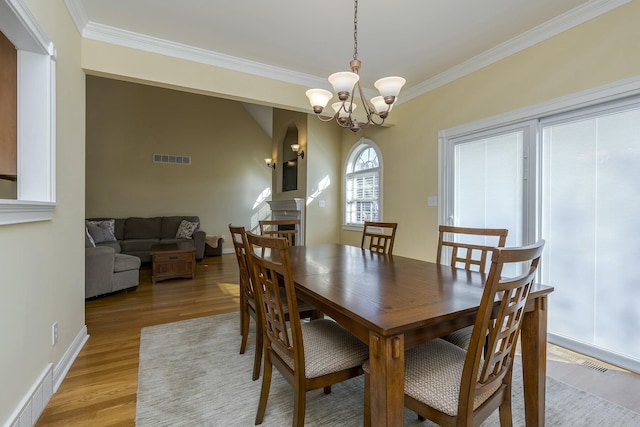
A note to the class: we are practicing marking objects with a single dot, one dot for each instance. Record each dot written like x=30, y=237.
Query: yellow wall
x=324, y=182
x=127, y=123
x=42, y=263
x=601, y=51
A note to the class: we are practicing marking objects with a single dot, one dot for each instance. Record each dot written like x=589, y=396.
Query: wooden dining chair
x=379, y=236
x=466, y=250
x=471, y=249
x=309, y=355
x=287, y=228
x=248, y=306
x=454, y=387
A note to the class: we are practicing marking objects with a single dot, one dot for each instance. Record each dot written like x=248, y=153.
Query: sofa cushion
x=110, y=224
x=88, y=240
x=100, y=232
x=113, y=244
x=125, y=262
x=142, y=228
x=186, y=229
x=119, y=226
x=170, y=225
x=137, y=245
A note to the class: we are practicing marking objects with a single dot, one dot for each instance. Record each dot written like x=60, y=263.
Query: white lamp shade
x=295, y=147
x=343, y=112
x=343, y=81
x=318, y=97
x=380, y=105
x=389, y=86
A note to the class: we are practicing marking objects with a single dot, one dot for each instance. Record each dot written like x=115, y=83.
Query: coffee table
x=172, y=260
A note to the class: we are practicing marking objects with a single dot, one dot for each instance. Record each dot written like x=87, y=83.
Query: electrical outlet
x=54, y=333
x=432, y=201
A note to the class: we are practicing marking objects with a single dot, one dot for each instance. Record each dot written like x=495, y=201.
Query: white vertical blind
x=590, y=219
x=489, y=183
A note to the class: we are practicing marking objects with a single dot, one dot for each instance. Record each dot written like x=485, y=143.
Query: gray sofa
x=106, y=271
x=135, y=235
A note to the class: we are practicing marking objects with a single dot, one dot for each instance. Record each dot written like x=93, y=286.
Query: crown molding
x=549, y=29
x=116, y=36
x=78, y=13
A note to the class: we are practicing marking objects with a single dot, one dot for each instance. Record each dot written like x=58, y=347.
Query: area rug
x=191, y=374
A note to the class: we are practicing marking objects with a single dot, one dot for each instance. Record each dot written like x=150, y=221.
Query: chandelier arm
x=365, y=104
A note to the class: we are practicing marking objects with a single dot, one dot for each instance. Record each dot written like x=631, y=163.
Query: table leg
x=534, y=362
x=386, y=356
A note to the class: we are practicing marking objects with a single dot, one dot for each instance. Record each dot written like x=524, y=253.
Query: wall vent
x=172, y=159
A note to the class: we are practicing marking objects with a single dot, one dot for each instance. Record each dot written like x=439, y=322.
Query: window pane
x=590, y=199
x=488, y=184
x=368, y=159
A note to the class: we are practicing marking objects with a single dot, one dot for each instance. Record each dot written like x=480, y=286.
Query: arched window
x=363, y=177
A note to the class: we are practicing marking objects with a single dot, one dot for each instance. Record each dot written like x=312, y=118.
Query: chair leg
x=257, y=359
x=299, y=406
x=327, y=390
x=367, y=402
x=264, y=392
x=244, y=328
x=505, y=410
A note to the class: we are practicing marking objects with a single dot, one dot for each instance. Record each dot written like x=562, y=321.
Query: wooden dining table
x=393, y=303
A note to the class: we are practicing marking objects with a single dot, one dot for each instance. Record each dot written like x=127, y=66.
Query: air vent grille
x=172, y=159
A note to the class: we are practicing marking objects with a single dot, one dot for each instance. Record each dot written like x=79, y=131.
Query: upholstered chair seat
x=328, y=348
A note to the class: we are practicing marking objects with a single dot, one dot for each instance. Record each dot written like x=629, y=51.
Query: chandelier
x=346, y=84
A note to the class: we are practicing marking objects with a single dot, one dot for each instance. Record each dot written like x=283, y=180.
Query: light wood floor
x=100, y=388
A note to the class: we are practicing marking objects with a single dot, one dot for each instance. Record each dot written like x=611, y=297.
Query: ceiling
x=429, y=42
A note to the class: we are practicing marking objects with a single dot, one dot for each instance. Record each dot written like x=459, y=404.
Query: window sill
x=20, y=211
x=353, y=227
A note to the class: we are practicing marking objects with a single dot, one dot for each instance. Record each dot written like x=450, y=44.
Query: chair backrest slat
x=495, y=332
x=380, y=235
x=286, y=228
x=239, y=240
x=270, y=269
x=469, y=255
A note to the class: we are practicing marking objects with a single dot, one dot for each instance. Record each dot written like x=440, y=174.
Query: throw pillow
x=186, y=229
x=100, y=233
x=88, y=240
x=109, y=223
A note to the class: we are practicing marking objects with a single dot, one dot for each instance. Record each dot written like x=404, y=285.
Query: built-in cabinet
x=8, y=109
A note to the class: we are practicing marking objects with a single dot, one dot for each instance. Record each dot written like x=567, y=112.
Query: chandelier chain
x=355, y=29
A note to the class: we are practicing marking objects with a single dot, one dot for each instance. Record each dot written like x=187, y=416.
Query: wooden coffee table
x=172, y=260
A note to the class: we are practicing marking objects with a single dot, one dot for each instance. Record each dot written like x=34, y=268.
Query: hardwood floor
x=100, y=388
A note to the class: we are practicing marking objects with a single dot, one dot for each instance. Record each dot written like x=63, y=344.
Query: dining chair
x=287, y=228
x=454, y=387
x=470, y=247
x=309, y=355
x=248, y=306
x=471, y=250
x=379, y=235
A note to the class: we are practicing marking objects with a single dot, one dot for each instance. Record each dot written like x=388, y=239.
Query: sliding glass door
x=574, y=180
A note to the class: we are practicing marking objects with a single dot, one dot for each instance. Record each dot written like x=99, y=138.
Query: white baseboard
x=33, y=403
x=69, y=357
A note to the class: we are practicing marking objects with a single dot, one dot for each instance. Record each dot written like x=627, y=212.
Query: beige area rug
x=191, y=374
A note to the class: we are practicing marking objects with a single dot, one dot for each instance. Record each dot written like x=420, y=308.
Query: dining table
x=394, y=303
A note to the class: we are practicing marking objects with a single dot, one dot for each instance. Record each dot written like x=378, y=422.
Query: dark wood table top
x=387, y=294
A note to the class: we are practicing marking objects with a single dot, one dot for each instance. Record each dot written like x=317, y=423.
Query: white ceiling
x=429, y=42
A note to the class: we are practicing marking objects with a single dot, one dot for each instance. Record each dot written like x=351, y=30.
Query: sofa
x=106, y=271
x=136, y=235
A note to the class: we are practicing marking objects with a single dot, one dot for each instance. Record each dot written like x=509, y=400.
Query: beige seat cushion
x=433, y=372
x=328, y=347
